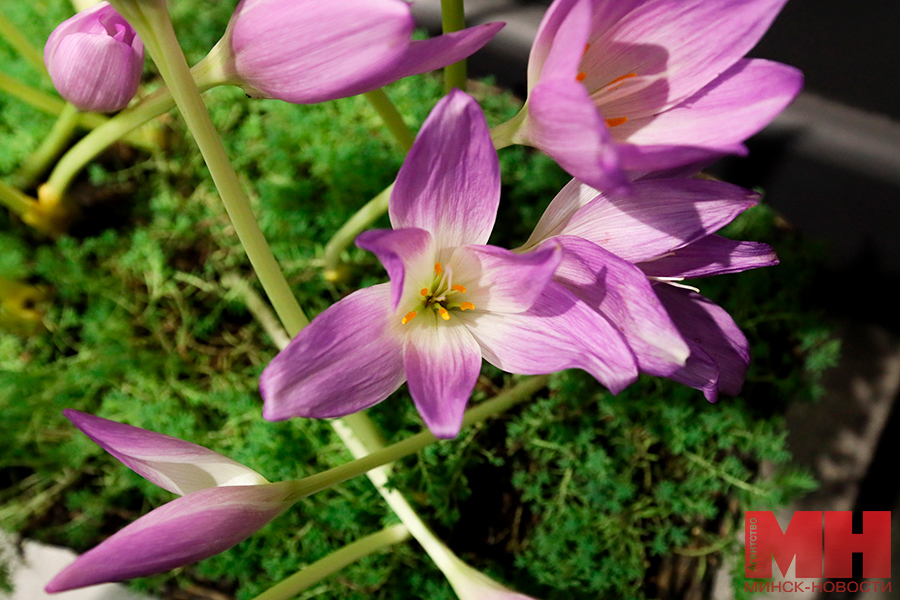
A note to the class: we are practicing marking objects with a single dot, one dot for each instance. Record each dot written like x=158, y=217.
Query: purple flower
x=645, y=85
x=95, y=59
x=626, y=256
x=223, y=503
x=451, y=300
x=307, y=51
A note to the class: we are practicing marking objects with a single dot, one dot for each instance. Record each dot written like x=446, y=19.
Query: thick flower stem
x=15, y=200
x=334, y=562
x=355, y=225
x=21, y=45
x=361, y=437
x=453, y=18
x=29, y=95
x=391, y=117
x=54, y=106
x=50, y=148
x=504, y=134
x=384, y=456
x=102, y=137
x=150, y=18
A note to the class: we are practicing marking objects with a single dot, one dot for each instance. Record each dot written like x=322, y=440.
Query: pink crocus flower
x=451, y=299
x=95, y=59
x=625, y=256
x=308, y=51
x=646, y=85
x=222, y=503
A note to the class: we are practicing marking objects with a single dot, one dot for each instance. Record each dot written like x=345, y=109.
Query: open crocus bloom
x=307, y=51
x=451, y=300
x=223, y=503
x=646, y=243
x=645, y=85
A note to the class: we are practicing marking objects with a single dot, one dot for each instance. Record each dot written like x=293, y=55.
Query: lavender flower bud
x=95, y=59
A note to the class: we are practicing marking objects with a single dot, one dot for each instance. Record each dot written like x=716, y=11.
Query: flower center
x=441, y=297
x=612, y=85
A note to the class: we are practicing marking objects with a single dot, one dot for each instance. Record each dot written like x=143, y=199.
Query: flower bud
x=308, y=51
x=95, y=59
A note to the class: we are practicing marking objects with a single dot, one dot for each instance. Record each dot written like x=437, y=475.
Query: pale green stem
x=334, y=562
x=50, y=148
x=453, y=18
x=98, y=140
x=391, y=117
x=359, y=222
x=384, y=456
x=504, y=134
x=150, y=20
x=21, y=45
x=54, y=106
x=15, y=200
x=29, y=95
x=361, y=437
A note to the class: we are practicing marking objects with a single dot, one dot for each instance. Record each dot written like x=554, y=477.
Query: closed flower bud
x=308, y=51
x=95, y=59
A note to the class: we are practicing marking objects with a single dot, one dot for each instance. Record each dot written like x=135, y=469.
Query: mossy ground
x=576, y=494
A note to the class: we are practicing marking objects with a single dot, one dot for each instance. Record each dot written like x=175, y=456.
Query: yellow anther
x=466, y=306
x=424, y=291
x=409, y=317
x=438, y=269
x=617, y=121
x=581, y=76
x=459, y=288
x=444, y=314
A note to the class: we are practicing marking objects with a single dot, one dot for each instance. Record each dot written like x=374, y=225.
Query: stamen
x=623, y=77
x=424, y=291
x=459, y=288
x=586, y=46
x=438, y=269
x=615, y=122
x=444, y=314
x=581, y=77
x=466, y=306
x=409, y=317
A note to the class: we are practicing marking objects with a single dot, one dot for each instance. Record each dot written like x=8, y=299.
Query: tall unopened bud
x=308, y=51
x=95, y=59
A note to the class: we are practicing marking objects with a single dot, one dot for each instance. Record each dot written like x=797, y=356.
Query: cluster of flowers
x=632, y=97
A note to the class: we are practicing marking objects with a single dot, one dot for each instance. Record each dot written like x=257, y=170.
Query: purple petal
x=658, y=216
x=720, y=354
x=712, y=255
x=438, y=52
x=347, y=359
x=172, y=464
x=560, y=41
x=450, y=182
x=714, y=121
x=304, y=51
x=442, y=362
x=562, y=208
x=498, y=280
x=683, y=43
x=564, y=123
x=621, y=292
x=400, y=251
x=558, y=332
x=181, y=532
